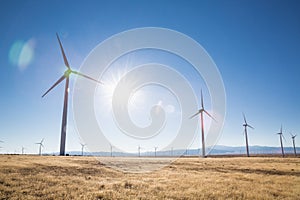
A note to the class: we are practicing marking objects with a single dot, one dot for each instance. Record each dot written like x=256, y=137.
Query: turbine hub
x=67, y=73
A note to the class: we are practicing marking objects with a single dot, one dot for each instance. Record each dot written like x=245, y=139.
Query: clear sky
x=255, y=44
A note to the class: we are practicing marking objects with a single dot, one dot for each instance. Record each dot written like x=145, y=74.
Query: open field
x=53, y=177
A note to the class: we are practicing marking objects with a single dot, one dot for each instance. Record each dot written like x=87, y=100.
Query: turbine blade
x=283, y=137
x=281, y=129
x=85, y=76
x=250, y=126
x=42, y=140
x=244, y=118
x=293, y=136
x=194, y=115
x=55, y=84
x=63, y=52
x=202, y=104
x=210, y=115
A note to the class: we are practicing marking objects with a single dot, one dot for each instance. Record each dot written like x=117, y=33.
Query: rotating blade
x=202, y=104
x=250, y=126
x=85, y=76
x=194, y=115
x=63, y=52
x=244, y=118
x=55, y=84
x=210, y=115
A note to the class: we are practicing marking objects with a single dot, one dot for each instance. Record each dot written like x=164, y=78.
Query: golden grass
x=52, y=177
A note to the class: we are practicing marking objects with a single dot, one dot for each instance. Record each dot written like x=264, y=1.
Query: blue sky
x=255, y=44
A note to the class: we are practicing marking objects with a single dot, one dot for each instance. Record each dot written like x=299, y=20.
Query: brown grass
x=52, y=177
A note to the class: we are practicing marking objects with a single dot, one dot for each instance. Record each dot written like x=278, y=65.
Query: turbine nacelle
x=281, y=134
x=293, y=136
x=67, y=73
x=247, y=125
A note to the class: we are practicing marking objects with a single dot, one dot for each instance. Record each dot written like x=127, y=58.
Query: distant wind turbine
x=280, y=136
x=293, y=138
x=155, y=148
x=111, y=150
x=82, y=148
x=41, y=145
x=201, y=111
x=23, y=149
x=246, y=134
x=65, y=76
x=139, y=150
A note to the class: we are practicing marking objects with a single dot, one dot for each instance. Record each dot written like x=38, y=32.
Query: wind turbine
x=139, y=150
x=293, y=138
x=111, y=150
x=82, y=147
x=201, y=111
x=41, y=145
x=280, y=136
x=23, y=148
x=155, y=148
x=246, y=134
x=65, y=76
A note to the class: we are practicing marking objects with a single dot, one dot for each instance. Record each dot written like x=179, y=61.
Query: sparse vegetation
x=52, y=177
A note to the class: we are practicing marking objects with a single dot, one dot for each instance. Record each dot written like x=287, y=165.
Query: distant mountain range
x=217, y=150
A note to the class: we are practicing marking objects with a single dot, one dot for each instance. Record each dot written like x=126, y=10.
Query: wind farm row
x=201, y=113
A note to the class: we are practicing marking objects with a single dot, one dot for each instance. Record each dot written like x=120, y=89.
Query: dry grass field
x=53, y=177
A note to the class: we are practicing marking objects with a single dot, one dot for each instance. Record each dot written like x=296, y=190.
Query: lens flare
x=21, y=53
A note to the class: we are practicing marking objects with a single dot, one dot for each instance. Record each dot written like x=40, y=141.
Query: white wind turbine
x=139, y=150
x=155, y=149
x=41, y=145
x=293, y=138
x=281, y=136
x=201, y=111
x=82, y=148
x=246, y=134
x=65, y=76
x=23, y=150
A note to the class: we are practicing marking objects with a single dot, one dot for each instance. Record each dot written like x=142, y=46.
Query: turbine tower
x=201, y=111
x=65, y=76
x=41, y=145
x=280, y=136
x=82, y=147
x=111, y=150
x=246, y=134
x=293, y=138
